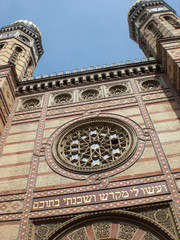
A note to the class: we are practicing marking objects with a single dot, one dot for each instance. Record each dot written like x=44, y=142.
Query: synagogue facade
x=92, y=154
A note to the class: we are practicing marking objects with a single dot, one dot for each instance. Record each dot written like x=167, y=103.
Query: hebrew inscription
x=108, y=195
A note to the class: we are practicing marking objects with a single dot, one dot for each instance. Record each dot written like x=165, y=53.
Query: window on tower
x=15, y=54
x=172, y=21
x=154, y=30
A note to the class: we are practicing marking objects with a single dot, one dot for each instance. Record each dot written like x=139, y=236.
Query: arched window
x=152, y=28
x=143, y=18
x=1, y=46
x=15, y=54
x=172, y=21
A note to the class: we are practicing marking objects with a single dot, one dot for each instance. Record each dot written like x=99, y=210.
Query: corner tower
x=20, y=45
x=154, y=25
x=20, y=50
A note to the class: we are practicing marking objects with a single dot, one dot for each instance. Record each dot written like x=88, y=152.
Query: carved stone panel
x=30, y=103
x=116, y=90
x=61, y=98
x=102, y=230
x=150, y=84
x=79, y=234
x=90, y=94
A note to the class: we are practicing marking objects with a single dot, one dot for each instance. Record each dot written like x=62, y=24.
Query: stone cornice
x=88, y=77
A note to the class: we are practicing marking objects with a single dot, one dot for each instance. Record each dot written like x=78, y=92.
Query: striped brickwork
x=7, y=88
x=169, y=54
x=166, y=29
x=165, y=47
x=7, y=95
x=23, y=57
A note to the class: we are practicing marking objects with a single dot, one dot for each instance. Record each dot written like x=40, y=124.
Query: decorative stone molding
x=30, y=103
x=87, y=77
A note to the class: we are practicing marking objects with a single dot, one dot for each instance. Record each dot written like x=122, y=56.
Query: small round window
x=151, y=85
x=95, y=144
x=116, y=90
x=90, y=94
x=31, y=103
x=62, y=98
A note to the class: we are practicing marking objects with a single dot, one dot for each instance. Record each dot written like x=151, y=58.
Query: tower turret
x=154, y=25
x=21, y=45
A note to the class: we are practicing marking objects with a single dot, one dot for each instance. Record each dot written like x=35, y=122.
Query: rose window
x=62, y=98
x=95, y=145
x=90, y=94
x=31, y=103
x=151, y=85
x=116, y=90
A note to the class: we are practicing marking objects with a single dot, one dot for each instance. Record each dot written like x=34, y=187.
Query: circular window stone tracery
x=116, y=90
x=62, y=98
x=31, y=103
x=95, y=144
x=151, y=85
x=90, y=94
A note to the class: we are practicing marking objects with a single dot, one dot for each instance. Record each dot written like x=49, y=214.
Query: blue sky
x=78, y=33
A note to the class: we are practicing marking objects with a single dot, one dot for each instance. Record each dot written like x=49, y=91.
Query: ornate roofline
x=88, y=77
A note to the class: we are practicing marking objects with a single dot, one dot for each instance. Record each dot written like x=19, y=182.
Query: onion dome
x=28, y=24
x=134, y=6
x=28, y=28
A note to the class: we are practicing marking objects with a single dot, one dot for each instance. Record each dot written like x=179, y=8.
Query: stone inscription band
x=110, y=195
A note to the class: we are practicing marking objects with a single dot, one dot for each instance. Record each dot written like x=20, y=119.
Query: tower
x=20, y=50
x=92, y=154
x=155, y=26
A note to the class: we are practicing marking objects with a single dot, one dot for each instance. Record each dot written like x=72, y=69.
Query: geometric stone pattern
x=79, y=234
x=61, y=98
x=90, y=116
x=162, y=215
x=90, y=94
x=102, y=230
x=10, y=207
x=118, y=89
x=109, y=230
x=90, y=147
x=126, y=231
x=42, y=230
x=95, y=105
x=105, y=229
